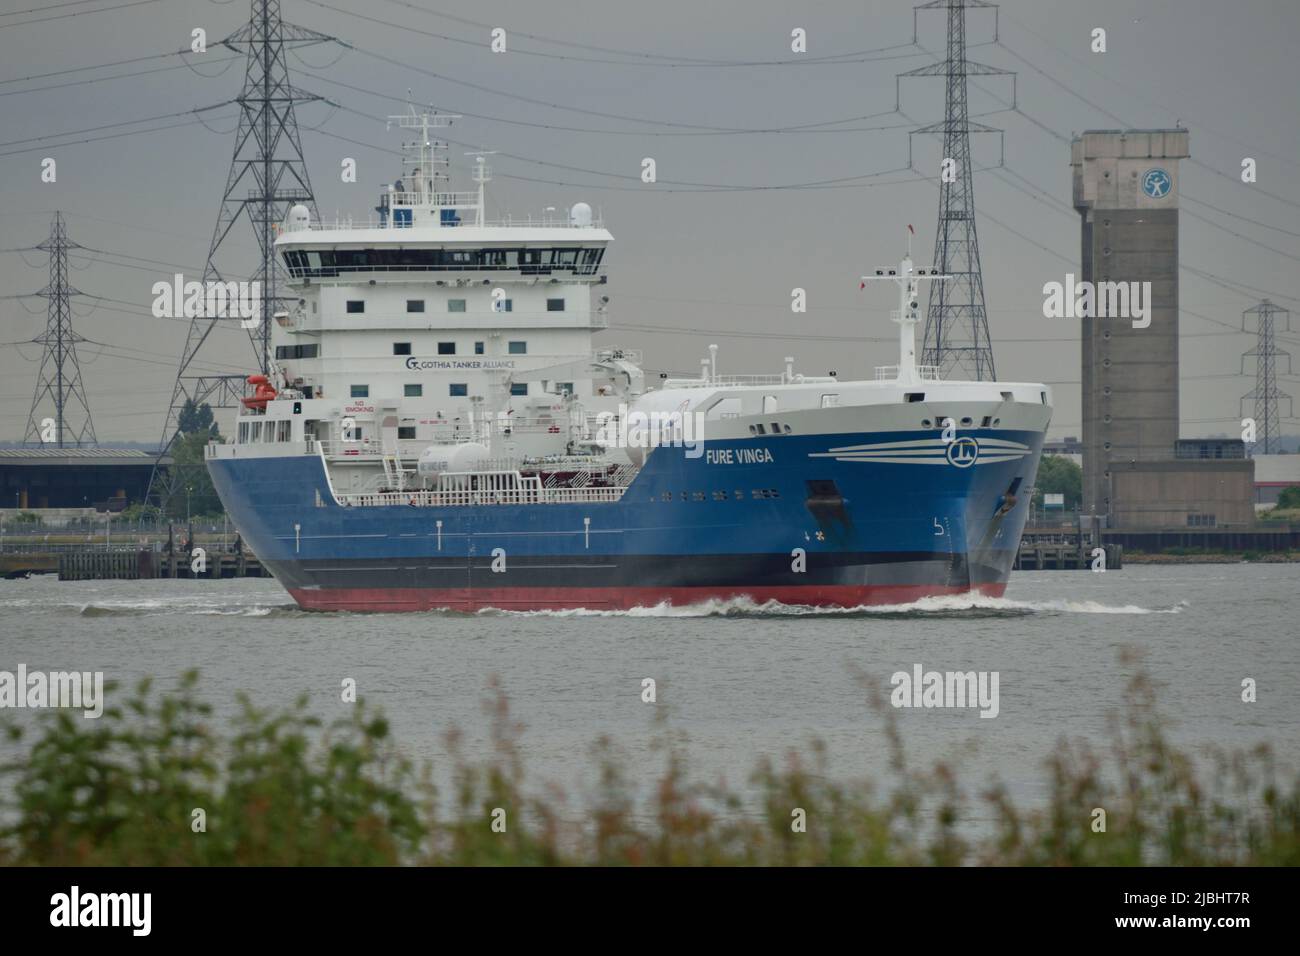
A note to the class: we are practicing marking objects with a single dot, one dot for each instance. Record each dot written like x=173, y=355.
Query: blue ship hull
x=798, y=519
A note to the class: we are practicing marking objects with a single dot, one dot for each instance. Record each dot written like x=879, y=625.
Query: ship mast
x=909, y=282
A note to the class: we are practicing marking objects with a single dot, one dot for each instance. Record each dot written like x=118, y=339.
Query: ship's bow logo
x=963, y=452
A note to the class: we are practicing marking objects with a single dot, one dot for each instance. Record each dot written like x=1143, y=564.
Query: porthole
x=753, y=430
x=1105, y=390
x=1106, y=474
x=786, y=429
x=1105, y=251
x=925, y=423
x=1105, y=363
x=1106, y=446
x=966, y=420
x=1106, y=223
x=997, y=422
x=1106, y=419
x=1106, y=335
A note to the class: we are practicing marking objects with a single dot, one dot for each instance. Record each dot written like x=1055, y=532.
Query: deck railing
x=462, y=497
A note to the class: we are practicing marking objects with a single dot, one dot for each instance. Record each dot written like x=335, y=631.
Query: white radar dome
x=299, y=218
x=580, y=214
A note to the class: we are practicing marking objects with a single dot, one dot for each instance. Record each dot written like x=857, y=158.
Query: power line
x=1131, y=91
x=137, y=122
x=638, y=59
x=78, y=13
x=802, y=128
x=82, y=69
x=1201, y=202
x=536, y=102
x=97, y=139
x=105, y=79
x=842, y=181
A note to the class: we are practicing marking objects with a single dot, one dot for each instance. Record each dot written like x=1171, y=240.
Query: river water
x=736, y=682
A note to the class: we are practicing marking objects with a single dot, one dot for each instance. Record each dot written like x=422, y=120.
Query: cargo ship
x=440, y=429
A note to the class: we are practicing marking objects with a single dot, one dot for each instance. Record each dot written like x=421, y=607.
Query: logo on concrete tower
x=1156, y=183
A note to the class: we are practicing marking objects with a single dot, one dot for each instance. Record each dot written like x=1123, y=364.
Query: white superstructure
x=429, y=342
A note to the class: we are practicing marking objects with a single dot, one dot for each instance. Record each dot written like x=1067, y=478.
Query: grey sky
x=724, y=262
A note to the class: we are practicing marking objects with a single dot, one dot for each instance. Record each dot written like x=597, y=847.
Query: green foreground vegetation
x=279, y=789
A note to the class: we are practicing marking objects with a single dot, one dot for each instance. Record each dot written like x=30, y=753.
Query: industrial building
x=1273, y=473
x=1136, y=473
x=105, y=479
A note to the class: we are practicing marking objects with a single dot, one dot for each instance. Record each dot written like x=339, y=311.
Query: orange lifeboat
x=263, y=392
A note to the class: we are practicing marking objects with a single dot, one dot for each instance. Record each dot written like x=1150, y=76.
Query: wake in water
x=960, y=606
x=972, y=605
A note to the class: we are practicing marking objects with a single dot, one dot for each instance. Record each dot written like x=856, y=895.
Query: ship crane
x=908, y=282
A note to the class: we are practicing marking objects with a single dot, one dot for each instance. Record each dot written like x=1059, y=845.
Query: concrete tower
x=1126, y=190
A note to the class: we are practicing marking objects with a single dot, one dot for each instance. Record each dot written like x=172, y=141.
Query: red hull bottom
x=618, y=599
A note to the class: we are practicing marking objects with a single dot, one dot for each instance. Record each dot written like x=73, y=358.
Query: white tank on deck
x=465, y=456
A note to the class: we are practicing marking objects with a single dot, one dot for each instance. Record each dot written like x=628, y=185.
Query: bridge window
x=446, y=348
x=296, y=351
x=457, y=390
x=401, y=348
x=504, y=305
x=413, y=391
x=455, y=305
x=414, y=305
x=332, y=262
x=406, y=433
x=360, y=391
x=519, y=388
x=518, y=348
x=356, y=306
x=478, y=348
x=554, y=305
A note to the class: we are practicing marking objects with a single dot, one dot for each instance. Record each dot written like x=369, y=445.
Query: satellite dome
x=580, y=214
x=299, y=218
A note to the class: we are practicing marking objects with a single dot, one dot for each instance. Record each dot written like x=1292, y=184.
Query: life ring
x=263, y=392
